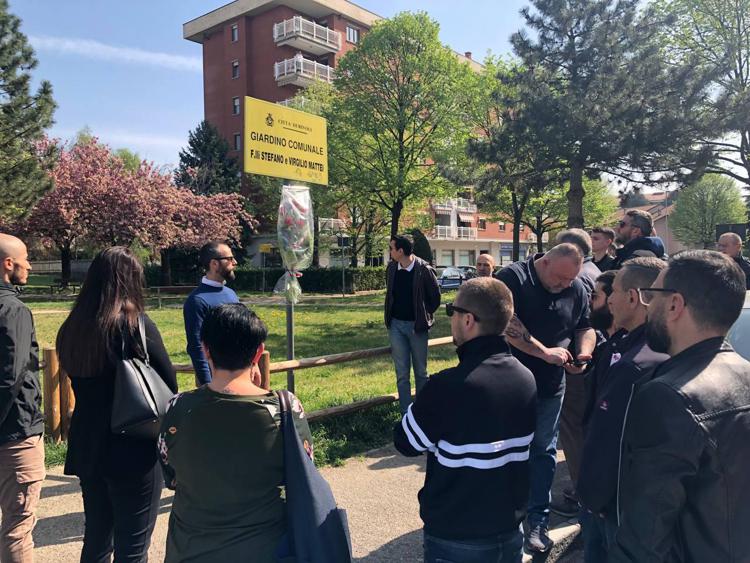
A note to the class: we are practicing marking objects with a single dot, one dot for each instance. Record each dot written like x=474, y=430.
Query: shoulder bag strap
x=142, y=330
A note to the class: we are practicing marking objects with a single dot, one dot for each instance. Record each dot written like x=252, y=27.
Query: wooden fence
x=59, y=400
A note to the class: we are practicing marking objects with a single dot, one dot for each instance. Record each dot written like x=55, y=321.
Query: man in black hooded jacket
x=21, y=420
x=635, y=233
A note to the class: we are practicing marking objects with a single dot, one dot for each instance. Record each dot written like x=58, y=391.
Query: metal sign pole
x=290, y=344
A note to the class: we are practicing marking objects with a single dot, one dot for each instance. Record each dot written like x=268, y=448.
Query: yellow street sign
x=266, y=248
x=284, y=142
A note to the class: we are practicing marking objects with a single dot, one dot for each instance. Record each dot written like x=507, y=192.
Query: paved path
x=378, y=490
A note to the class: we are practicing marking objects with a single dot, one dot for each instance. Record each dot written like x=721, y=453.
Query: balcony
x=307, y=36
x=299, y=71
x=457, y=204
x=466, y=233
x=466, y=205
x=446, y=232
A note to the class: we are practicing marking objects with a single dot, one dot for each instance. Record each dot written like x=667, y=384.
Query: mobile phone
x=579, y=363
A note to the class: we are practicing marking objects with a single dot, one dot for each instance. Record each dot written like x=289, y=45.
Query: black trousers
x=120, y=514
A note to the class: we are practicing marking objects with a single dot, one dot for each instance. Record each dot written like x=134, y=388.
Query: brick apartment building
x=271, y=49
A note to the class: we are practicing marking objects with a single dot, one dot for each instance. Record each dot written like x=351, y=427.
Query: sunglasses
x=622, y=224
x=450, y=308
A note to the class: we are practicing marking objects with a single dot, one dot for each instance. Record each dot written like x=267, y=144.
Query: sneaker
x=567, y=507
x=537, y=540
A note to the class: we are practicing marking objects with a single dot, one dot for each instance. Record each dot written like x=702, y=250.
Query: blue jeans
x=408, y=348
x=503, y=548
x=543, y=458
x=598, y=536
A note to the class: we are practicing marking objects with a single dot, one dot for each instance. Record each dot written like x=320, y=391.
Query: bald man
x=731, y=245
x=21, y=420
x=485, y=265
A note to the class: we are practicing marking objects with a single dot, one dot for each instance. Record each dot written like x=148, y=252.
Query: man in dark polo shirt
x=551, y=310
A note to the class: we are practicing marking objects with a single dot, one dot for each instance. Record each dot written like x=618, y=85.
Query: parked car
x=451, y=278
x=468, y=271
x=739, y=334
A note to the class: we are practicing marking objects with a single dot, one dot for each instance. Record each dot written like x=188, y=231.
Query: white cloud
x=101, y=51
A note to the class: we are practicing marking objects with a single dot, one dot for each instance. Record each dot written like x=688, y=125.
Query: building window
x=237, y=142
x=446, y=257
x=235, y=69
x=235, y=106
x=235, y=33
x=482, y=224
x=352, y=34
x=501, y=226
x=466, y=257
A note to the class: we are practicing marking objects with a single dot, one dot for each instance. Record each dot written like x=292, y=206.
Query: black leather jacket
x=684, y=491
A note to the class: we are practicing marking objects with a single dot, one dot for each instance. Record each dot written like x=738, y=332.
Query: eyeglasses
x=450, y=308
x=220, y=258
x=646, y=294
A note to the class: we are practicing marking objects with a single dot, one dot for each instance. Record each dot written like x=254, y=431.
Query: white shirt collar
x=409, y=268
x=212, y=283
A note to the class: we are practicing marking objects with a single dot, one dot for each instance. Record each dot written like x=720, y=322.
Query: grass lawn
x=320, y=329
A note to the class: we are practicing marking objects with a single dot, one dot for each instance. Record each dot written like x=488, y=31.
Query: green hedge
x=313, y=280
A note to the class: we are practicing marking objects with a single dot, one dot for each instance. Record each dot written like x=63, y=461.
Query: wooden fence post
x=265, y=370
x=52, y=394
x=67, y=403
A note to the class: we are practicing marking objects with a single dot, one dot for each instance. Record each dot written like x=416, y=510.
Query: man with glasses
x=475, y=422
x=551, y=311
x=218, y=262
x=683, y=493
x=635, y=232
x=625, y=361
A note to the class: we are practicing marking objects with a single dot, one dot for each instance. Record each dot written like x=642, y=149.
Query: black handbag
x=317, y=530
x=140, y=396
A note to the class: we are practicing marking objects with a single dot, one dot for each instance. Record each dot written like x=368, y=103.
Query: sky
x=123, y=70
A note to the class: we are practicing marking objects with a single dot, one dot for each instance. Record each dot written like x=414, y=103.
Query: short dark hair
x=491, y=300
x=606, y=231
x=232, y=333
x=403, y=242
x=641, y=219
x=606, y=279
x=210, y=251
x=712, y=284
x=579, y=237
x=640, y=272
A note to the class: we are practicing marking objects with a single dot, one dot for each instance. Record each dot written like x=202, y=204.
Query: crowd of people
x=601, y=341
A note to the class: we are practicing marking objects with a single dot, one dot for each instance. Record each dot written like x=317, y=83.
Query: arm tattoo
x=517, y=330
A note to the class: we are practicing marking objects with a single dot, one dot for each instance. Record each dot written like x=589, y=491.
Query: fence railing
x=306, y=68
x=59, y=400
x=299, y=26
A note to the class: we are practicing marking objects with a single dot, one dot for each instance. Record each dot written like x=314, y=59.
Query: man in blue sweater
x=217, y=260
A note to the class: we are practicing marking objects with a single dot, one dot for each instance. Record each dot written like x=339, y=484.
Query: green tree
x=598, y=88
x=547, y=209
x=711, y=201
x=205, y=165
x=24, y=115
x=510, y=162
x=717, y=34
x=399, y=111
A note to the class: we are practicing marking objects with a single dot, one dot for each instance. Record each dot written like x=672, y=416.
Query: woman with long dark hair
x=120, y=479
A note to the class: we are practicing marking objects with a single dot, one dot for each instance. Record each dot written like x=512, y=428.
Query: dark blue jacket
x=641, y=246
x=628, y=359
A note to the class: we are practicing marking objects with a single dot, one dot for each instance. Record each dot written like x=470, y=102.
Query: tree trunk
x=575, y=196
x=368, y=247
x=166, y=267
x=398, y=207
x=353, y=243
x=316, y=240
x=65, y=260
x=539, y=234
